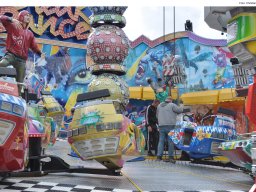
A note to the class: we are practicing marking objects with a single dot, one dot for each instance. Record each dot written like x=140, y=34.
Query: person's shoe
x=158, y=158
x=150, y=153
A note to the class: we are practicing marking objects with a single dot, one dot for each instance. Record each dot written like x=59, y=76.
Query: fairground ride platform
x=145, y=175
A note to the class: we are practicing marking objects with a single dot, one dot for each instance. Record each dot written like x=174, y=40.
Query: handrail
x=207, y=117
x=245, y=135
x=23, y=84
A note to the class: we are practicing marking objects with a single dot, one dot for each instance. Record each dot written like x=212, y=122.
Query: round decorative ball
x=107, y=45
x=118, y=88
x=108, y=10
x=107, y=19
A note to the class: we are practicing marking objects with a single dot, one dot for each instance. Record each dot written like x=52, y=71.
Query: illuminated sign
x=52, y=17
x=232, y=31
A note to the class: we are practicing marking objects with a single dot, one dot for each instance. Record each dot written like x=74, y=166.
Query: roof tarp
x=148, y=93
x=135, y=92
x=200, y=97
x=174, y=93
x=210, y=97
x=228, y=95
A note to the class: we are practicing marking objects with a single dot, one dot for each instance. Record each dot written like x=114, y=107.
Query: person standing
x=18, y=42
x=166, y=114
x=152, y=129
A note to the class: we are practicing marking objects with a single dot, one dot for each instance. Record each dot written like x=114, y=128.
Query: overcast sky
x=149, y=21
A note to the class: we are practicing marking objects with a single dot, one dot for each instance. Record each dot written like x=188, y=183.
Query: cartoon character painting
x=64, y=72
x=56, y=65
x=34, y=83
x=168, y=62
x=146, y=64
x=184, y=58
x=221, y=63
x=220, y=59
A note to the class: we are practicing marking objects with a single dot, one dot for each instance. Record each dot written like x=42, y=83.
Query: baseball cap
x=168, y=99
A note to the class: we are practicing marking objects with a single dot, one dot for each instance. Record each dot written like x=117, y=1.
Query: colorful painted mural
x=204, y=63
x=64, y=71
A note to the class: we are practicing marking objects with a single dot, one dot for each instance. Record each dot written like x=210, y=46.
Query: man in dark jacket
x=19, y=40
x=151, y=124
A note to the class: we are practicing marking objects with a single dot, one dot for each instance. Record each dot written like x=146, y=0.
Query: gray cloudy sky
x=149, y=21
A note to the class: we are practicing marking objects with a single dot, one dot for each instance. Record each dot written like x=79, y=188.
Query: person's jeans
x=163, y=135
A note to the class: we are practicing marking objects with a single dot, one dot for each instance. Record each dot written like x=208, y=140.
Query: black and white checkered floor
x=15, y=185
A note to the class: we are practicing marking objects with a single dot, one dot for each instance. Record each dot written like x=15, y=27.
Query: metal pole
x=174, y=30
x=164, y=23
x=164, y=78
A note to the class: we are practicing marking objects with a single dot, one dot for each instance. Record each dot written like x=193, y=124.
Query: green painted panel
x=241, y=29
